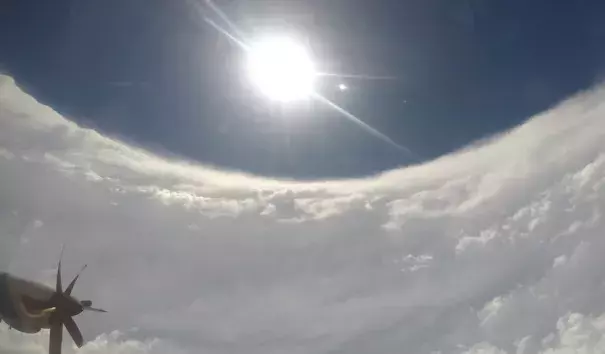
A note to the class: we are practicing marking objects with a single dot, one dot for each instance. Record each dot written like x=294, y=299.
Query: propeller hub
x=68, y=305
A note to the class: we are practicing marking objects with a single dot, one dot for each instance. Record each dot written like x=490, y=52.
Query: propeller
x=62, y=307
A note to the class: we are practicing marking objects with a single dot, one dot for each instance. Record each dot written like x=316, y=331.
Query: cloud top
x=495, y=248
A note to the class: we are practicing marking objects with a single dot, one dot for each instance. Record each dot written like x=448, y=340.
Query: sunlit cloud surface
x=497, y=248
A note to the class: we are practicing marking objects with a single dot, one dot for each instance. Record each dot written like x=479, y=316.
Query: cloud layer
x=493, y=249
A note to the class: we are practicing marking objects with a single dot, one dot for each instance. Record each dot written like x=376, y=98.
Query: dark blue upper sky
x=152, y=72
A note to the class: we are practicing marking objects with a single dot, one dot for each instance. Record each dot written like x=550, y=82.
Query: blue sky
x=152, y=73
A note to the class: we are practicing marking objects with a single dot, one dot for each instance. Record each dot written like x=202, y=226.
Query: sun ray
x=203, y=14
x=227, y=34
x=358, y=76
x=366, y=126
x=224, y=17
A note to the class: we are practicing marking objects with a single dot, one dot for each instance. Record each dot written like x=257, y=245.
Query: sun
x=281, y=68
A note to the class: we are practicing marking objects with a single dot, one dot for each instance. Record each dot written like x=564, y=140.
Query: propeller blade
x=70, y=287
x=59, y=286
x=74, y=331
x=94, y=309
x=56, y=337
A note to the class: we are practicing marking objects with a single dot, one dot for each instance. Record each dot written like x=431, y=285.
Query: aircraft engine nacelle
x=18, y=299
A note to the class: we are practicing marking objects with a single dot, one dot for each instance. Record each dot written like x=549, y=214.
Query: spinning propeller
x=62, y=307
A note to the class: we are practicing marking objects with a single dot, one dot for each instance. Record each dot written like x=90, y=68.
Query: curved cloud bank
x=494, y=249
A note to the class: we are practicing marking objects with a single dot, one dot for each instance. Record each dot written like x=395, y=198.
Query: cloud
x=495, y=248
x=574, y=333
x=13, y=342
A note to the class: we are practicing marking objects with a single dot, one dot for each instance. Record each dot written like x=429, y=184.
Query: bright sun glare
x=281, y=69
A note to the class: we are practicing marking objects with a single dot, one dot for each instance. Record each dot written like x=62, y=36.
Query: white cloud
x=575, y=333
x=13, y=342
x=486, y=250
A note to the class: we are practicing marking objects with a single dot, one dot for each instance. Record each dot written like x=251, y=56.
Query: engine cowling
x=18, y=303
